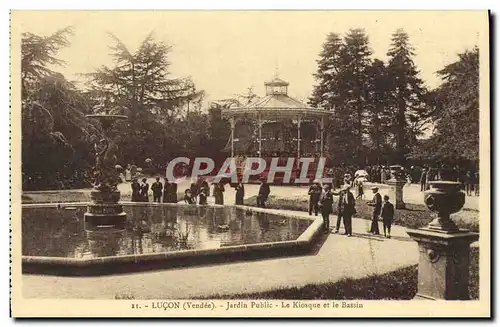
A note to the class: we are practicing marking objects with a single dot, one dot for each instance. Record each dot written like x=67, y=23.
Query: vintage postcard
x=250, y=164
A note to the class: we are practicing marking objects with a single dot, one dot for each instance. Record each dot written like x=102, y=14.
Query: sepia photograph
x=250, y=163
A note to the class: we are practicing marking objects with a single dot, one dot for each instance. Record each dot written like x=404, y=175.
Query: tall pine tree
x=342, y=87
x=378, y=113
x=353, y=85
x=407, y=92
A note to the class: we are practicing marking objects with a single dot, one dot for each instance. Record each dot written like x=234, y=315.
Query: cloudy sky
x=226, y=52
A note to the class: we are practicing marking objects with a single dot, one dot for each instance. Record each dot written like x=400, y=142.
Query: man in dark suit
x=314, y=197
x=376, y=203
x=423, y=179
x=340, y=206
x=387, y=216
x=263, y=194
x=157, y=188
x=136, y=190
x=326, y=203
x=348, y=208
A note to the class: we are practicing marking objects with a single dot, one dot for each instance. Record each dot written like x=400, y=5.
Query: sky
x=227, y=52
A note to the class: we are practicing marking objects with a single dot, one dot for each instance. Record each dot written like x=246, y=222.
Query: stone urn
x=443, y=268
x=444, y=198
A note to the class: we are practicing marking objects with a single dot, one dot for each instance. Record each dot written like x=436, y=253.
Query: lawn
x=400, y=284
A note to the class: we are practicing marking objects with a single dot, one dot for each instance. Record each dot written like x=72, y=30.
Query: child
x=188, y=198
x=387, y=216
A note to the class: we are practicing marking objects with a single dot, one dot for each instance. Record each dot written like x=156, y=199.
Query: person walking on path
x=387, y=216
x=136, y=191
x=263, y=194
x=144, y=190
x=314, y=197
x=157, y=189
x=326, y=204
x=240, y=194
x=376, y=203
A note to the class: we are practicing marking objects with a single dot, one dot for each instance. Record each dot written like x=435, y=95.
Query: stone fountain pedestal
x=443, y=267
x=104, y=210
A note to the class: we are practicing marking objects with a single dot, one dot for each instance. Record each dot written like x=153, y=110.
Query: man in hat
x=263, y=194
x=376, y=203
x=347, y=208
x=157, y=189
x=314, y=197
x=326, y=204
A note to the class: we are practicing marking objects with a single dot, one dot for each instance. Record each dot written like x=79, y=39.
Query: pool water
x=53, y=232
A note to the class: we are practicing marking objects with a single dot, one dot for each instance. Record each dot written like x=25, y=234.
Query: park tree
x=455, y=113
x=56, y=150
x=354, y=85
x=378, y=114
x=139, y=85
x=407, y=95
x=342, y=86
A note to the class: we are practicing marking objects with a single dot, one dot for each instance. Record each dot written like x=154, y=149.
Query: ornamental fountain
x=104, y=209
x=443, y=268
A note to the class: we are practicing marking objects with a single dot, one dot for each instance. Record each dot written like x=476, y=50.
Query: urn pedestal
x=396, y=192
x=443, y=267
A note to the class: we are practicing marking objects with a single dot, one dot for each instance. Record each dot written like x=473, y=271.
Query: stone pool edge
x=105, y=265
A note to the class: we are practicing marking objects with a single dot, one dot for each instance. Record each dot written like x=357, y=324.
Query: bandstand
x=276, y=125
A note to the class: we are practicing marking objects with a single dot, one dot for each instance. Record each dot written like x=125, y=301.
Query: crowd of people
x=321, y=197
x=162, y=192
x=321, y=200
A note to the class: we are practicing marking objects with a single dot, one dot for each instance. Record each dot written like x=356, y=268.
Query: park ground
x=335, y=259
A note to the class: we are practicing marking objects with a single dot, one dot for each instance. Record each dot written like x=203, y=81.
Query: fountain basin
x=55, y=240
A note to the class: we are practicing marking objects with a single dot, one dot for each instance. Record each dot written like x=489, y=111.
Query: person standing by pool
x=376, y=203
x=157, y=188
x=188, y=197
x=387, y=216
x=263, y=194
x=172, y=193
x=144, y=190
x=240, y=193
x=314, y=197
x=166, y=189
x=136, y=190
x=219, y=193
x=202, y=196
x=326, y=204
